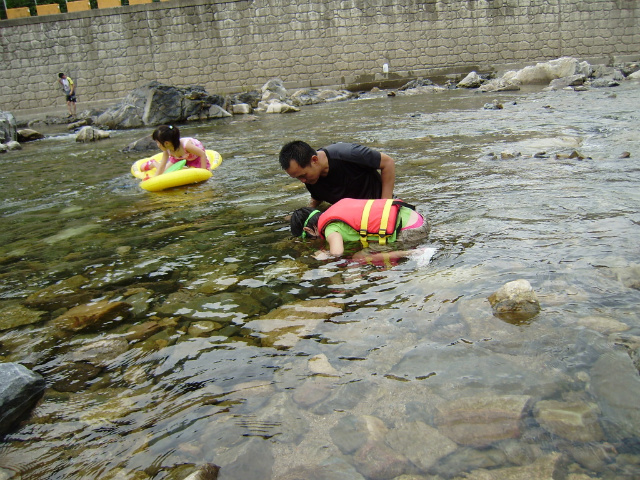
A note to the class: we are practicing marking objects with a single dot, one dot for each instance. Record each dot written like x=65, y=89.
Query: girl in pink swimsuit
x=174, y=149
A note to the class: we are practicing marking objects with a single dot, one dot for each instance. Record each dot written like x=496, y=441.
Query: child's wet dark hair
x=299, y=217
x=167, y=133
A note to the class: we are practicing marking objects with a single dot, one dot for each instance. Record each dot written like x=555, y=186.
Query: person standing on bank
x=69, y=89
x=340, y=170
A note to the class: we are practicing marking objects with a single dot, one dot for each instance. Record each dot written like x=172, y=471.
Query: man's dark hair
x=299, y=216
x=60, y=75
x=297, y=150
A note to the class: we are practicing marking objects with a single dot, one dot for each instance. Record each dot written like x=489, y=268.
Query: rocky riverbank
x=156, y=104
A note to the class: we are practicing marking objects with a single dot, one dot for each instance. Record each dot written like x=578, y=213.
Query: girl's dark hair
x=167, y=133
x=299, y=216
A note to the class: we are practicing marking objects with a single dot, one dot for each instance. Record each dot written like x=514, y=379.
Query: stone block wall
x=236, y=45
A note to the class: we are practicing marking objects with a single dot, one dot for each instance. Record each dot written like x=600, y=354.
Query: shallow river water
x=237, y=347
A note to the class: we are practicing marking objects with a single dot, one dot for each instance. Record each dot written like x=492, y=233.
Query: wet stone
x=515, y=301
x=616, y=386
x=420, y=443
x=223, y=307
x=483, y=420
x=203, y=328
x=545, y=468
x=16, y=316
x=100, y=353
x=330, y=469
x=65, y=293
x=93, y=317
x=377, y=461
x=312, y=391
x=142, y=331
x=345, y=397
x=72, y=377
x=252, y=460
x=286, y=325
x=20, y=390
x=140, y=303
x=466, y=459
x=353, y=432
x=319, y=365
x=575, y=421
x=286, y=420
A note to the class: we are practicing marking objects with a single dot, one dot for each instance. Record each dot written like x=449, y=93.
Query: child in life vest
x=174, y=149
x=380, y=221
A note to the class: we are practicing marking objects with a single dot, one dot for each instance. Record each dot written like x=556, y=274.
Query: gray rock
x=274, y=90
x=241, y=108
x=417, y=83
x=90, y=134
x=141, y=145
x=13, y=145
x=20, y=390
x=28, y=135
x=570, y=81
x=8, y=128
x=156, y=104
x=472, y=80
x=251, y=98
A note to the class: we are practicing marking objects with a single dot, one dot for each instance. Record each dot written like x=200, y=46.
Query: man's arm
x=313, y=203
x=388, y=174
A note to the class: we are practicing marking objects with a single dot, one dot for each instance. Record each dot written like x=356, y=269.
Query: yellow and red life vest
x=367, y=217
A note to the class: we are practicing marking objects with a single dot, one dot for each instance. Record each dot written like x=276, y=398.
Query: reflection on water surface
x=231, y=344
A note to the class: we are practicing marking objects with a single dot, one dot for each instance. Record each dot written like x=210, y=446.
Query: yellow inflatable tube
x=186, y=176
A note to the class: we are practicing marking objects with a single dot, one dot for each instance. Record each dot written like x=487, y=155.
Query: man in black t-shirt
x=340, y=170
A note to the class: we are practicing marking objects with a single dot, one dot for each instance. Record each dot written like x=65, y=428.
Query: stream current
x=243, y=350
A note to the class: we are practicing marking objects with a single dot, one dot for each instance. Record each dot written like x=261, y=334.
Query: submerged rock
x=17, y=315
x=482, y=420
x=420, y=443
x=65, y=293
x=616, y=387
x=575, y=421
x=92, y=317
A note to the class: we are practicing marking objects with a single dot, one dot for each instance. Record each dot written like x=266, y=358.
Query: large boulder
x=541, y=73
x=8, y=128
x=157, y=104
x=20, y=390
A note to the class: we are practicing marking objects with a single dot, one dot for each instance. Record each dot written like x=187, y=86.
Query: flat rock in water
x=92, y=317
